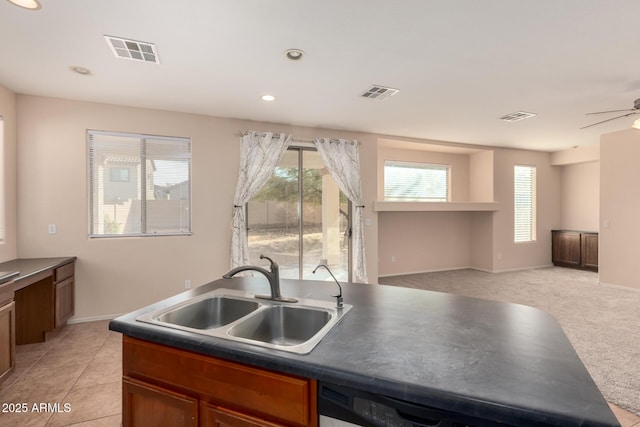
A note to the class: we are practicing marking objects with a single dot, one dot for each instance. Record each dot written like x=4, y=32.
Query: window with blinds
x=139, y=185
x=420, y=182
x=524, y=201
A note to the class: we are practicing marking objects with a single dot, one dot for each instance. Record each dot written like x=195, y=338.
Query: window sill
x=382, y=206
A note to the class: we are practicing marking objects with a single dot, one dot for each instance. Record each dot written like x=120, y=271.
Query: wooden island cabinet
x=172, y=387
x=575, y=249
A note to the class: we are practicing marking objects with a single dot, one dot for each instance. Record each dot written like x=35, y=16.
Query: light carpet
x=602, y=321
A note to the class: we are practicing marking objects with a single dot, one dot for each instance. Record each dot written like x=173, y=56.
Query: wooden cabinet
x=7, y=340
x=224, y=393
x=589, y=251
x=64, y=294
x=215, y=416
x=574, y=249
x=7, y=331
x=147, y=405
x=44, y=297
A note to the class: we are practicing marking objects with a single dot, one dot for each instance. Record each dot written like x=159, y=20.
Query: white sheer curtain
x=343, y=163
x=259, y=155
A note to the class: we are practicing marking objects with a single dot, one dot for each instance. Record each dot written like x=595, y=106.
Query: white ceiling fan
x=629, y=112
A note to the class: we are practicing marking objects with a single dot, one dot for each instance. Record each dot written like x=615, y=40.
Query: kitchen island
x=500, y=363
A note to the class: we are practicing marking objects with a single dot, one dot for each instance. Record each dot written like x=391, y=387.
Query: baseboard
x=467, y=268
x=92, y=318
x=426, y=271
x=613, y=285
x=533, y=267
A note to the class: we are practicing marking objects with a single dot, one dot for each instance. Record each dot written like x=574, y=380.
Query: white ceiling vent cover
x=517, y=116
x=132, y=49
x=380, y=92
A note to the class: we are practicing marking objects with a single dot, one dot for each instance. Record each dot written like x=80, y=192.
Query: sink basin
x=238, y=316
x=282, y=325
x=209, y=313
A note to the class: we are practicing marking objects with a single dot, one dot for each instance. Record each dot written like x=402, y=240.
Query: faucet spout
x=339, y=299
x=273, y=277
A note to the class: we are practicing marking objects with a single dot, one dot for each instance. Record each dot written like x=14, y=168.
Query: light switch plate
x=53, y=229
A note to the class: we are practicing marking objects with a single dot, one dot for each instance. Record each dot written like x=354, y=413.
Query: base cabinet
x=148, y=405
x=165, y=386
x=574, y=249
x=63, y=294
x=214, y=416
x=7, y=340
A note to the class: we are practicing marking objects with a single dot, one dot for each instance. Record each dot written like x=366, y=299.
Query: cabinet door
x=215, y=416
x=7, y=339
x=64, y=302
x=146, y=405
x=565, y=247
x=590, y=251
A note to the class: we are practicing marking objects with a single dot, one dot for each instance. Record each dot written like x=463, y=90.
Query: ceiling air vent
x=380, y=92
x=132, y=49
x=518, y=115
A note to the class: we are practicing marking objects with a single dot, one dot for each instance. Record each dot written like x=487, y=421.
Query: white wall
x=8, y=190
x=122, y=274
x=415, y=242
x=619, y=208
x=508, y=255
x=431, y=241
x=580, y=203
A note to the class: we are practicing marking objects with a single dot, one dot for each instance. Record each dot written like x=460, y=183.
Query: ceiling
x=459, y=64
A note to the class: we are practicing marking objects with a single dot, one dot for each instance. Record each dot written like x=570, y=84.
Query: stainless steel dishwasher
x=342, y=406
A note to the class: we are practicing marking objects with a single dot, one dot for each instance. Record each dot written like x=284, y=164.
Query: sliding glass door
x=300, y=218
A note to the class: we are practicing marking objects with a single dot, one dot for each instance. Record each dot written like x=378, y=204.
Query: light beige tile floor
x=81, y=366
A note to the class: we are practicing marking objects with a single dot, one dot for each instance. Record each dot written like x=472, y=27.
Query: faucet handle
x=274, y=265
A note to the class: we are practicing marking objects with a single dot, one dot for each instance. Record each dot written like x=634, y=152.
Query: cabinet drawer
x=7, y=292
x=266, y=394
x=63, y=272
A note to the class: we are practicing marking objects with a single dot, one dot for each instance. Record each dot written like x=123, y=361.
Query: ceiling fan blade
x=608, y=120
x=611, y=111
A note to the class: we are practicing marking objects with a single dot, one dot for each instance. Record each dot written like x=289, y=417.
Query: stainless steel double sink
x=238, y=316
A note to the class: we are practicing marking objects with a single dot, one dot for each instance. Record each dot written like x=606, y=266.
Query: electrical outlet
x=52, y=229
x=499, y=256
x=187, y=284
x=393, y=258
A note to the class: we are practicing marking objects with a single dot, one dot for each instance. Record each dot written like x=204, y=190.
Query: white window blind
x=139, y=185
x=524, y=201
x=422, y=182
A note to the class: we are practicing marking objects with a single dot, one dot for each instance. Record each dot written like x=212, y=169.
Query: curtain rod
x=303, y=140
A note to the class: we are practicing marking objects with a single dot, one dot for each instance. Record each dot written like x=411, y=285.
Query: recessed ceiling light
x=81, y=70
x=268, y=98
x=294, y=54
x=27, y=4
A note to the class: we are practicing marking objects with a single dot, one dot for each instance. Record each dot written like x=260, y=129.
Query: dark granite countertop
x=23, y=268
x=497, y=361
x=5, y=276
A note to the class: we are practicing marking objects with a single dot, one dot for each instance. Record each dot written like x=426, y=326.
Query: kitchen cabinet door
x=215, y=416
x=565, y=248
x=64, y=302
x=590, y=251
x=146, y=405
x=7, y=339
